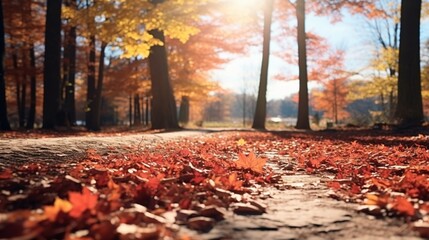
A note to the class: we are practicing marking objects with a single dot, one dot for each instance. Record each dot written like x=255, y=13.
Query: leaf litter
x=194, y=182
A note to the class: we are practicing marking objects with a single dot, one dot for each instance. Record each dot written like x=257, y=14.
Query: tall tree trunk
x=99, y=90
x=69, y=71
x=137, y=113
x=164, y=110
x=4, y=120
x=409, y=111
x=23, y=99
x=147, y=110
x=261, y=102
x=303, y=121
x=184, y=110
x=18, y=84
x=32, y=111
x=130, y=109
x=90, y=92
x=69, y=101
x=52, y=64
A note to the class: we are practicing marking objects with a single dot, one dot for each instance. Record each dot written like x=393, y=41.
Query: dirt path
x=297, y=208
x=57, y=148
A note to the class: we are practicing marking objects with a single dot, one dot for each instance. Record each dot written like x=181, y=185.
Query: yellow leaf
x=241, y=142
x=251, y=162
x=51, y=212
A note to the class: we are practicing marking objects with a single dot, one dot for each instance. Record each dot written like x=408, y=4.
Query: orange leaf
x=82, y=202
x=233, y=182
x=251, y=162
x=402, y=205
x=51, y=212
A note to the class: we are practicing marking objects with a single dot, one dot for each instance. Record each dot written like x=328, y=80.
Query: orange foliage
x=82, y=202
x=251, y=162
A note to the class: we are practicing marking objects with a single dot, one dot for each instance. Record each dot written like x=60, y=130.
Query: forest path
x=299, y=207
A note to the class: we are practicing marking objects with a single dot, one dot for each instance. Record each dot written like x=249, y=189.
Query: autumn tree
x=4, y=121
x=52, y=64
x=385, y=27
x=164, y=113
x=409, y=111
x=261, y=102
x=219, y=42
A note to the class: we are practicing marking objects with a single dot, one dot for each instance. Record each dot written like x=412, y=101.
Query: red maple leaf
x=82, y=202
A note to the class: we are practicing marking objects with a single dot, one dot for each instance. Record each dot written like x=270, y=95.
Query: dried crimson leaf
x=6, y=174
x=250, y=162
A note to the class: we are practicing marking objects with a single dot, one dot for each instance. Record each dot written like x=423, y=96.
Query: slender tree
x=303, y=121
x=409, y=111
x=69, y=79
x=32, y=111
x=52, y=64
x=91, y=88
x=98, y=91
x=4, y=121
x=261, y=103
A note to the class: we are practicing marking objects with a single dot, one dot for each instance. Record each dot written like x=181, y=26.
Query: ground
x=348, y=184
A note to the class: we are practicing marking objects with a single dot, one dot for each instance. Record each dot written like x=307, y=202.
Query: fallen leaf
x=241, y=142
x=233, y=182
x=246, y=209
x=250, y=162
x=422, y=228
x=213, y=212
x=51, y=212
x=403, y=206
x=6, y=174
x=82, y=202
x=202, y=224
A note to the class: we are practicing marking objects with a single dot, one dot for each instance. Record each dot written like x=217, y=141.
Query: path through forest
x=299, y=206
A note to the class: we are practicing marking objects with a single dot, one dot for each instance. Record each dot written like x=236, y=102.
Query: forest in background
x=104, y=62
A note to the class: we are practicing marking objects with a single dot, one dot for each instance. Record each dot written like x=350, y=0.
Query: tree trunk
x=184, y=110
x=4, y=120
x=69, y=105
x=137, y=113
x=90, y=92
x=52, y=64
x=147, y=110
x=261, y=102
x=69, y=102
x=409, y=111
x=96, y=114
x=164, y=110
x=303, y=121
x=23, y=96
x=130, y=109
x=32, y=111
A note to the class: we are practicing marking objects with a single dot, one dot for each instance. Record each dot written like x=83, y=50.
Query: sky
x=349, y=35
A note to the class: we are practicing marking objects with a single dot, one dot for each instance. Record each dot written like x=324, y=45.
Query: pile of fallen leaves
x=192, y=182
x=145, y=194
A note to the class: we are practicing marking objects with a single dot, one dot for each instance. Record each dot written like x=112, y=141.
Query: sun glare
x=242, y=9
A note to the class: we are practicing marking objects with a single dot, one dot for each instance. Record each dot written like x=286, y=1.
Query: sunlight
x=245, y=4
x=242, y=8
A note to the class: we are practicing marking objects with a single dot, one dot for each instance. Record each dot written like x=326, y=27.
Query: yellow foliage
x=127, y=24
